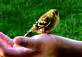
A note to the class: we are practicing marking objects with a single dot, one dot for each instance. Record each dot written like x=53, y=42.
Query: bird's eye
x=56, y=12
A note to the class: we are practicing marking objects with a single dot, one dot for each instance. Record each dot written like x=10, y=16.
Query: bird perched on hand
x=46, y=23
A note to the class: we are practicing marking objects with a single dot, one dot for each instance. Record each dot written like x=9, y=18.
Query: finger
x=20, y=39
x=7, y=40
x=18, y=51
x=25, y=42
x=2, y=48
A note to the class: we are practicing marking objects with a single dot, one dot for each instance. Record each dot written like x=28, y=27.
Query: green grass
x=17, y=16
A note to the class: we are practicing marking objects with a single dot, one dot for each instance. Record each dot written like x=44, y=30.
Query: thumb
x=21, y=41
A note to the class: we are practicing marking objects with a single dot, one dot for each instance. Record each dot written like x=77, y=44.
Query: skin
x=43, y=45
x=9, y=49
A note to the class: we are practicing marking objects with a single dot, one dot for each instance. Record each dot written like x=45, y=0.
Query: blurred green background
x=17, y=16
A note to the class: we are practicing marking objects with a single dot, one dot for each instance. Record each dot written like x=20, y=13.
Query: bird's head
x=48, y=20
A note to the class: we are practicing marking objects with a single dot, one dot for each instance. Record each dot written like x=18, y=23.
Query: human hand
x=9, y=49
x=43, y=45
x=36, y=46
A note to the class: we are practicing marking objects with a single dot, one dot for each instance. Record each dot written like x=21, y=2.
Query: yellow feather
x=46, y=23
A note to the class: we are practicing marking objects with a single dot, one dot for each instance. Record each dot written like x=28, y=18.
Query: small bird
x=46, y=23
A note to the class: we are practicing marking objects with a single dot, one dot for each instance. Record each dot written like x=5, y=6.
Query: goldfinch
x=46, y=23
